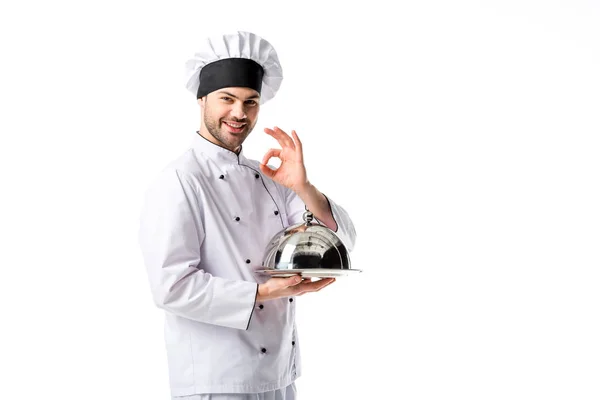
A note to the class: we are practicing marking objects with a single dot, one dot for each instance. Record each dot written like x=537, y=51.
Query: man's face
x=229, y=115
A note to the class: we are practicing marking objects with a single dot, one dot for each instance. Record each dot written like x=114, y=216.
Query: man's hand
x=275, y=288
x=291, y=172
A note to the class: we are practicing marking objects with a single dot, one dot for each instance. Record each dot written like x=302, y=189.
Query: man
x=206, y=221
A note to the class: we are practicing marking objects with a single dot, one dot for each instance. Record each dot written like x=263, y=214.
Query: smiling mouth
x=235, y=125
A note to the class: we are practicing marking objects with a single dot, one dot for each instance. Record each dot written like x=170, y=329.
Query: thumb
x=294, y=280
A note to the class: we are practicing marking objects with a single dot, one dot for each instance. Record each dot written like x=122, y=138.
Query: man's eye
x=226, y=98
x=251, y=102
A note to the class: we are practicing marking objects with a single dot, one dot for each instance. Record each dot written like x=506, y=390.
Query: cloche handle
x=308, y=217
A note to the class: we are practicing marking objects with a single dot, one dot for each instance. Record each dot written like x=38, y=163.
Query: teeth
x=234, y=125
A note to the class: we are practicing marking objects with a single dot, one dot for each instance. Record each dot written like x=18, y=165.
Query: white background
x=462, y=137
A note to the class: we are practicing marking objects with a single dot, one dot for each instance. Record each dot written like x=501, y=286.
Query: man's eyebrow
x=235, y=97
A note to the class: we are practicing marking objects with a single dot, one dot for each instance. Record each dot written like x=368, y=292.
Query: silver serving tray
x=310, y=272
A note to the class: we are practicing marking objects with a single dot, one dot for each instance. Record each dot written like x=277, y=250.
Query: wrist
x=261, y=292
x=305, y=190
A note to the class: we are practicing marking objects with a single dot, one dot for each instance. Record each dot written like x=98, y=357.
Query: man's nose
x=238, y=111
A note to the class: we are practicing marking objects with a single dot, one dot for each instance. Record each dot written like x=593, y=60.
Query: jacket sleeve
x=170, y=235
x=345, y=227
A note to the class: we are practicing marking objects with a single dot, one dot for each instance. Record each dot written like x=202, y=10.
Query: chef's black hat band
x=230, y=72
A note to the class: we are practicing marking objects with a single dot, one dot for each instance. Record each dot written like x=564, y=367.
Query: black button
x=222, y=177
x=291, y=300
x=293, y=343
x=276, y=212
x=263, y=350
x=261, y=306
x=256, y=176
x=247, y=261
x=237, y=218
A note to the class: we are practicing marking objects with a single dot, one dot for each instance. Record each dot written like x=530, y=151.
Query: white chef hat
x=240, y=59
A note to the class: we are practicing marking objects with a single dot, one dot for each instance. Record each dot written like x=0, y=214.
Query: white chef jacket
x=205, y=224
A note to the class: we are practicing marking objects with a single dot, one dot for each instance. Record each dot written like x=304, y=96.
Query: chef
x=208, y=217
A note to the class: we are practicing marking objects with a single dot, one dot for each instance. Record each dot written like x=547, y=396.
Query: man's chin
x=233, y=141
